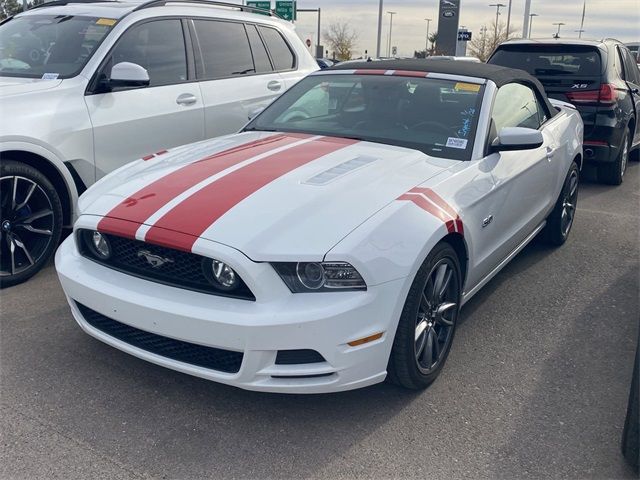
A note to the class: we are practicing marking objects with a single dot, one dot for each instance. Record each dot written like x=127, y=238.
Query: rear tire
x=560, y=220
x=428, y=320
x=613, y=173
x=30, y=222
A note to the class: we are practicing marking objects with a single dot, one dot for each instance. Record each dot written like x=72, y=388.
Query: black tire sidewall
x=553, y=230
x=402, y=365
x=10, y=168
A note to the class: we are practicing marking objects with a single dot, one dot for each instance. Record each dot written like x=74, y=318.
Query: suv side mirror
x=517, y=138
x=127, y=74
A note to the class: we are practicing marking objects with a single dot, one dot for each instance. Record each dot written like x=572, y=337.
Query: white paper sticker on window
x=453, y=142
x=50, y=76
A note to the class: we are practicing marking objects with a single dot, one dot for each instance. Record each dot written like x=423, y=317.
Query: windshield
x=550, y=60
x=437, y=117
x=47, y=46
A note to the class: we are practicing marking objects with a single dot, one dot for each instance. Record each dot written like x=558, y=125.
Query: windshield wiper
x=244, y=72
x=254, y=129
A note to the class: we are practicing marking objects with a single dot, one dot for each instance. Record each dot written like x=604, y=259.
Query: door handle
x=551, y=152
x=274, y=85
x=186, y=99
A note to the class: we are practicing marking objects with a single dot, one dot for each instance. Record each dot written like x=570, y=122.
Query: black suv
x=601, y=78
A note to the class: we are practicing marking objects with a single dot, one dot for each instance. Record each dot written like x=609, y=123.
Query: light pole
x=508, y=19
x=559, y=24
x=427, y=44
x=531, y=15
x=495, y=33
x=379, y=29
x=525, y=21
x=483, y=30
x=390, y=31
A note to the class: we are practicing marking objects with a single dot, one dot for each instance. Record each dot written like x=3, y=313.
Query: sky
x=604, y=18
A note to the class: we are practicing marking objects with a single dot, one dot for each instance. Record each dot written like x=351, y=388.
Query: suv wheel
x=613, y=173
x=30, y=222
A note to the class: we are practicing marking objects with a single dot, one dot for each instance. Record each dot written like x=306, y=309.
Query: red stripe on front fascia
x=409, y=73
x=198, y=212
x=460, y=227
x=145, y=202
x=438, y=200
x=370, y=72
x=427, y=206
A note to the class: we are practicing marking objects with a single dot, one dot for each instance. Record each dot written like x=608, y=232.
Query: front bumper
x=324, y=322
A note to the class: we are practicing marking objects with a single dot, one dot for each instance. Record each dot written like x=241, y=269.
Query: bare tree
x=341, y=39
x=482, y=45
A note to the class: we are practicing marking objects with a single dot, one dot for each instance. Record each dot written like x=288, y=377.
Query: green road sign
x=265, y=5
x=286, y=9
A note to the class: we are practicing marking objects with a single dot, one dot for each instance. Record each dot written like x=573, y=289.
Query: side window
x=224, y=49
x=260, y=56
x=631, y=72
x=157, y=46
x=516, y=106
x=281, y=54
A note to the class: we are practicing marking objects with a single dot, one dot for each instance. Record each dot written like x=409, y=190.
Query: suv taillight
x=607, y=95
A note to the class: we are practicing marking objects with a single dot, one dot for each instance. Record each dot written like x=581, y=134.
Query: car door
x=524, y=180
x=236, y=75
x=632, y=78
x=129, y=123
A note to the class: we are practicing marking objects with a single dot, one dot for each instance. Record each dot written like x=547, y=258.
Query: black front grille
x=206, y=357
x=295, y=357
x=181, y=269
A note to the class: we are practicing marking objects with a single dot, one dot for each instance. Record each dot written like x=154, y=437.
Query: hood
x=271, y=196
x=17, y=86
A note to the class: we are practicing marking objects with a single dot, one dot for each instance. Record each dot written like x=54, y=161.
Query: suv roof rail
x=215, y=3
x=56, y=3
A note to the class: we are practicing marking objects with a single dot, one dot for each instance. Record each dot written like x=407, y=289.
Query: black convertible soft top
x=497, y=74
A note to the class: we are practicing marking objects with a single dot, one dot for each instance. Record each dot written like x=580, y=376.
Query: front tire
x=560, y=221
x=428, y=320
x=30, y=222
x=613, y=173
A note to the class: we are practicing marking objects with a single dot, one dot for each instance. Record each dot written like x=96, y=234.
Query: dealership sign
x=448, y=19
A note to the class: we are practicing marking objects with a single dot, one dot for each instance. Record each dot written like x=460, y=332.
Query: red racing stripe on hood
x=198, y=212
x=145, y=202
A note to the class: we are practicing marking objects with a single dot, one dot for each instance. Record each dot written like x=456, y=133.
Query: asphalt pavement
x=535, y=386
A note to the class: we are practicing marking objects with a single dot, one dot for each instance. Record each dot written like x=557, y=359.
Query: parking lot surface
x=535, y=387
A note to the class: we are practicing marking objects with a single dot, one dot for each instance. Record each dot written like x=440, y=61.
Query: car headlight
x=221, y=275
x=303, y=277
x=98, y=244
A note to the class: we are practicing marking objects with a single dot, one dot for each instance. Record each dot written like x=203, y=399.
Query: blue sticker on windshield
x=50, y=76
x=467, y=116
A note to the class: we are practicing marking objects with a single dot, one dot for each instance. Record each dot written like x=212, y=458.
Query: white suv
x=89, y=86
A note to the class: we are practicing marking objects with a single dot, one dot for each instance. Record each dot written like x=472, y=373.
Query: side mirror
x=127, y=74
x=517, y=138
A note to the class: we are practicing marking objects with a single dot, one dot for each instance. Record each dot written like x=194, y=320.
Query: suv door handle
x=274, y=85
x=551, y=152
x=186, y=99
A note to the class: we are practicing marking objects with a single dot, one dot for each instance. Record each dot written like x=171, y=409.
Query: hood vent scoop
x=328, y=176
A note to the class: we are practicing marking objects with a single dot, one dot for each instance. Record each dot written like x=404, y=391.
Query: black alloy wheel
x=30, y=222
x=427, y=325
x=561, y=218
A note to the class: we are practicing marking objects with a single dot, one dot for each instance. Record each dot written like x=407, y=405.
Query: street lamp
x=531, y=15
x=497, y=5
x=427, y=44
x=559, y=24
x=508, y=19
x=390, y=31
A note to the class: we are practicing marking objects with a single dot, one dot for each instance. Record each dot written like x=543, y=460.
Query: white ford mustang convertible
x=333, y=241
